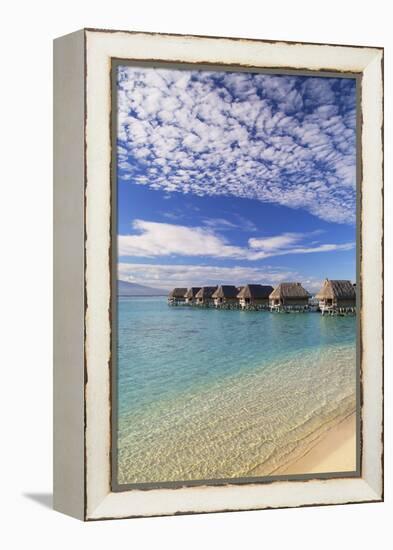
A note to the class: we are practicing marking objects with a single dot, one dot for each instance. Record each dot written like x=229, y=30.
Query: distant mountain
x=124, y=288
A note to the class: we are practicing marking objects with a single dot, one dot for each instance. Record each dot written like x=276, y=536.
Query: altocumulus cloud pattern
x=287, y=140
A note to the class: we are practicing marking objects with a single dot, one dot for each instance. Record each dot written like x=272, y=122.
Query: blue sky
x=235, y=177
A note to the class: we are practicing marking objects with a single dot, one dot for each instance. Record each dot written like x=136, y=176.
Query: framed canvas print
x=218, y=274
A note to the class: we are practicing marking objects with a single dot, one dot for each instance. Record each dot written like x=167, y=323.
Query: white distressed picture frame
x=82, y=336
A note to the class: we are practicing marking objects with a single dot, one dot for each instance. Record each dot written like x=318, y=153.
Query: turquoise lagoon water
x=210, y=394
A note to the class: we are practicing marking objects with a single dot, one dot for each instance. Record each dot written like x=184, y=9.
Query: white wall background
x=25, y=305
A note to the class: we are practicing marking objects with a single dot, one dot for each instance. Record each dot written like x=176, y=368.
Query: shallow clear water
x=207, y=394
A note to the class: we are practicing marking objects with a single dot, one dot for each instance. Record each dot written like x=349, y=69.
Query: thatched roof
x=177, y=293
x=289, y=290
x=225, y=291
x=342, y=290
x=192, y=292
x=255, y=291
x=206, y=292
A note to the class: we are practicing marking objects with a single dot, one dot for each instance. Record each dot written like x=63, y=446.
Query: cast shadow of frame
x=44, y=499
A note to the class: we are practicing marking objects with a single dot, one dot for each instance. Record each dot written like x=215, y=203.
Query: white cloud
x=219, y=224
x=281, y=139
x=277, y=242
x=155, y=239
x=164, y=239
x=321, y=248
x=170, y=276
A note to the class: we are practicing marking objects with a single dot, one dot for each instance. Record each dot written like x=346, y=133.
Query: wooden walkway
x=330, y=310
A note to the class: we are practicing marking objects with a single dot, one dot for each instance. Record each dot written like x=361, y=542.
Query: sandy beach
x=335, y=452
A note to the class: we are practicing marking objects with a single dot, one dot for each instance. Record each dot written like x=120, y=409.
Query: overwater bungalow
x=177, y=296
x=337, y=297
x=313, y=303
x=288, y=297
x=204, y=297
x=254, y=296
x=226, y=296
x=191, y=294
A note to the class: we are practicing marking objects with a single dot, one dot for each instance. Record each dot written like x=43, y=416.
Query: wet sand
x=334, y=452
